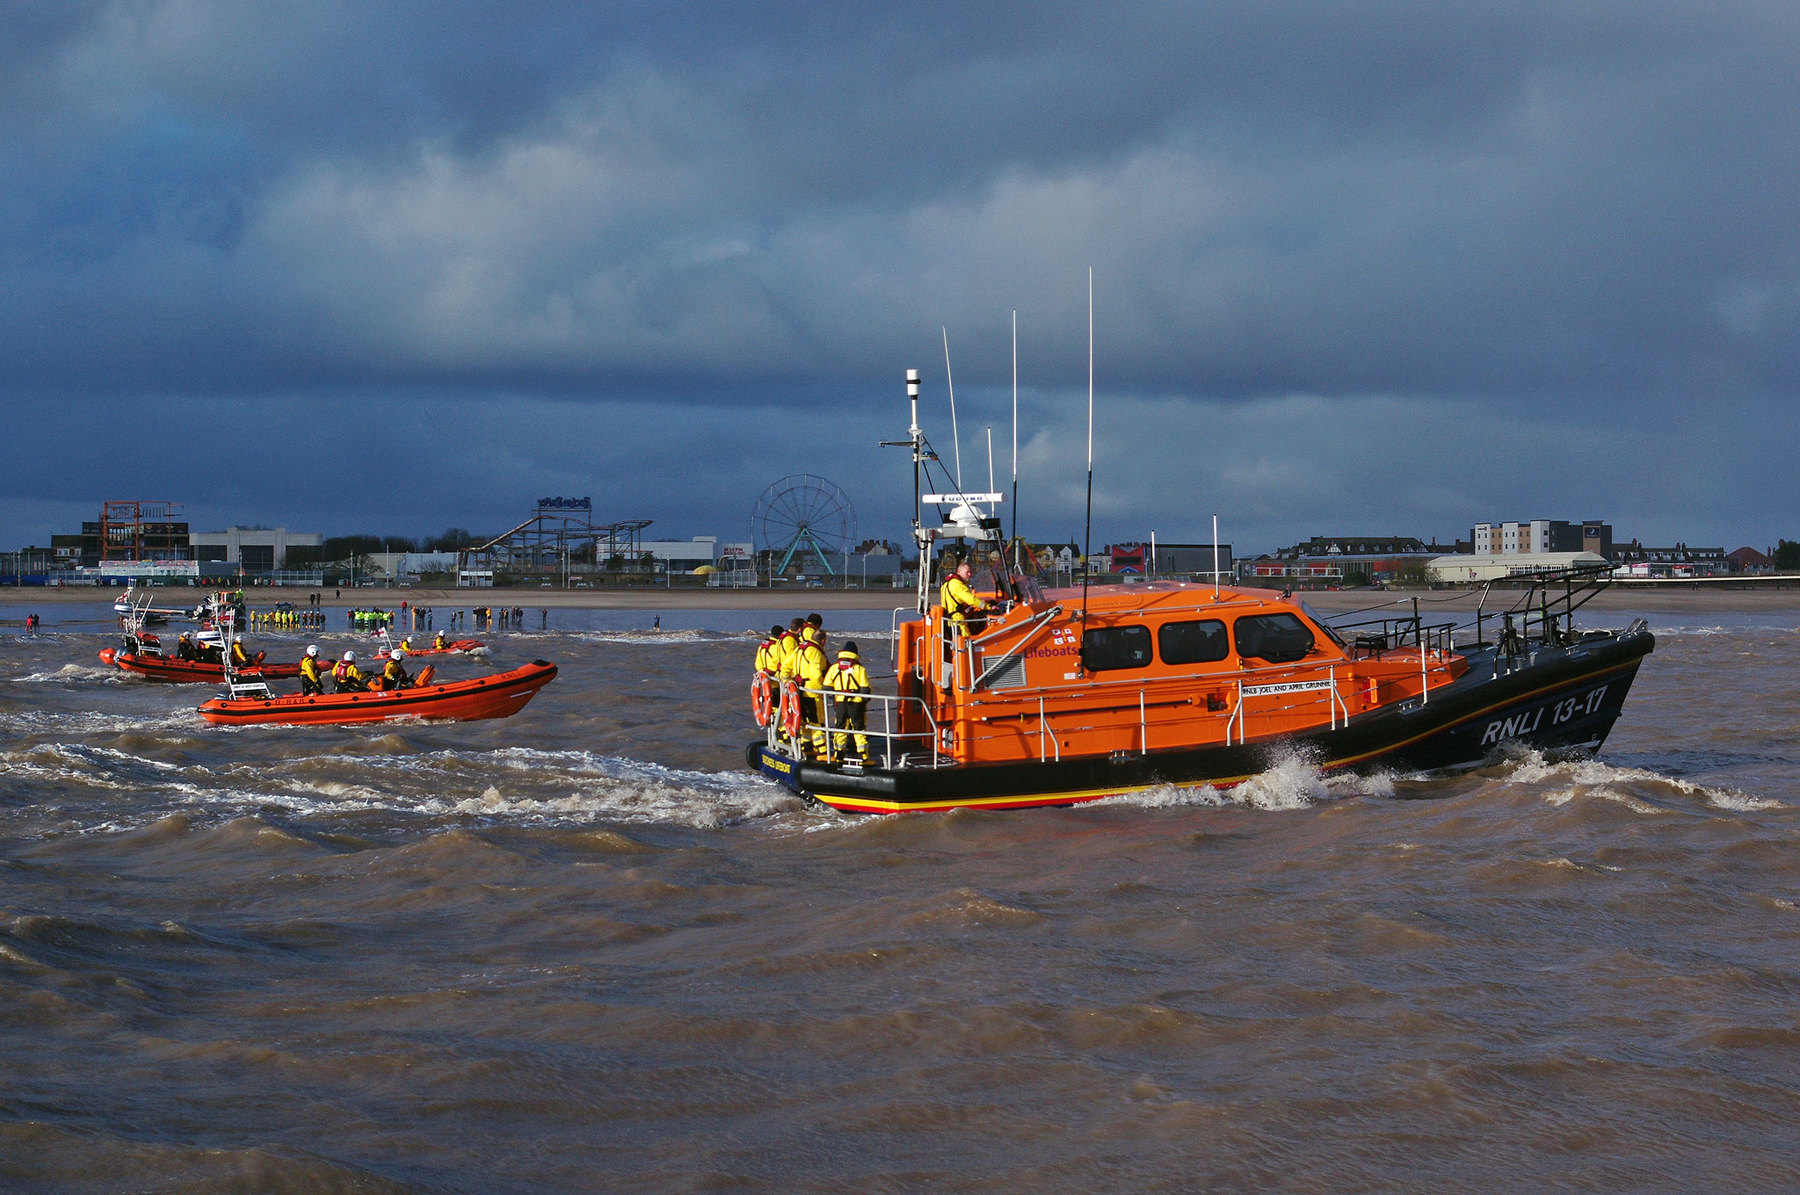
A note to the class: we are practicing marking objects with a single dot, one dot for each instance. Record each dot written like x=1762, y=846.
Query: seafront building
x=1541, y=536
x=1344, y=560
x=1474, y=568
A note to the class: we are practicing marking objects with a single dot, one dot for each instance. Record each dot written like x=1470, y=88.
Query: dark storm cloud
x=1477, y=215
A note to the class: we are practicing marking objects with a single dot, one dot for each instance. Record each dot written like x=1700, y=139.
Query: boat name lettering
x=1299, y=686
x=1579, y=706
x=776, y=765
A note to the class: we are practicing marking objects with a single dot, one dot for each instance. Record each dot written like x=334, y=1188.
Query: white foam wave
x=62, y=723
x=1170, y=796
x=658, y=638
x=90, y=673
x=513, y=785
x=1293, y=783
x=1569, y=779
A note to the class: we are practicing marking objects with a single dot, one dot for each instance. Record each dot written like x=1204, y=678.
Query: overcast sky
x=1358, y=267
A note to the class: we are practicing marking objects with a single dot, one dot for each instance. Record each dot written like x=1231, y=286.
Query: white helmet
x=396, y=653
x=312, y=649
x=350, y=656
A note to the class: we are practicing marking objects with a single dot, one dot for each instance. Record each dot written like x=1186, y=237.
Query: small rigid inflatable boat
x=167, y=668
x=498, y=696
x=459, y=647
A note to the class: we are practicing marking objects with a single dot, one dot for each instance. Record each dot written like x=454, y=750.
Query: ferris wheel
x=805, y=516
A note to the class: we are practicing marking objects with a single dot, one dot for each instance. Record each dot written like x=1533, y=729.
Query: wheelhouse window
x=1329, y=630
x=1276, y=638
x=1105, y=649
x=1202, y=642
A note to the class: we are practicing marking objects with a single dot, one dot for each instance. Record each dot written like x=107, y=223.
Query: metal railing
x=889, y=736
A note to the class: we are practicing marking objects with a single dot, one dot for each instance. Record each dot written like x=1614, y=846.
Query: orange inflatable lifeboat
x=167, y=668
x=498, y=696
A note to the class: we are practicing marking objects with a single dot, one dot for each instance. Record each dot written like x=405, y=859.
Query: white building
x=686, y=555
x=1497, y=566
x=398, y=566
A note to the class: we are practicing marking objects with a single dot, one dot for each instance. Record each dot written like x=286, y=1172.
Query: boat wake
x=78, y=673
x=1293, y=782
x=1561, y=781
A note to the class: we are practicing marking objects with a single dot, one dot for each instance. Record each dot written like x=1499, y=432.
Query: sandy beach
x=1783, y=594
x=1773, y=594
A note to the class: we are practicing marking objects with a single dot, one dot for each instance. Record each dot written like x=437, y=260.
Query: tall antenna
x=990, y=443
x=1087, y=534
x=1215, y=558
x=1017, y=563
x=955, y=440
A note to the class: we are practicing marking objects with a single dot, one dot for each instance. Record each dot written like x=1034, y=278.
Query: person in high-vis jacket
x=312, y=682
x=440, y=643
x=848, y=680
x=809, y=673
x=394, y=675
x=966, y=612
x=768, y=652
x=789, y=650
x=347, y=676
x=239, y=657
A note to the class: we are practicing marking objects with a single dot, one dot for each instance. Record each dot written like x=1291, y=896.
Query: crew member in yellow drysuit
x=849, y=680
x=966, y=612
x=348, y=676
x=311, y=682
x=395, y=675
x=789, y=650
x=809, y=673
x=768, y=652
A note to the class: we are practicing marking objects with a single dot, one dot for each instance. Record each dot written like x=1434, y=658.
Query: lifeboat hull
x=1563, y=699
x=499, y=696
x=190, y=671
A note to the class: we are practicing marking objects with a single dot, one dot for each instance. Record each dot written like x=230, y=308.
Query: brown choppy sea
x=583, y=950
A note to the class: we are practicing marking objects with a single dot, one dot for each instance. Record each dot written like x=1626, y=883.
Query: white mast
x=1215, y=558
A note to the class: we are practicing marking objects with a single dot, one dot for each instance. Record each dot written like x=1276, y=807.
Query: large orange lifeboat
x=500, y=695
x=1058, y=696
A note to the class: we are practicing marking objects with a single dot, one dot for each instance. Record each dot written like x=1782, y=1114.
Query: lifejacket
x=848, y=678
x=787, y=652
x=809, y=664
x=957, y=598
x=309, y=668
x=768, y=655
x=395, y=675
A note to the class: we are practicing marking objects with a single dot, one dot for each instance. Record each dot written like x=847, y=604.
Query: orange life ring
x=762, y=698
x=792, y=723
